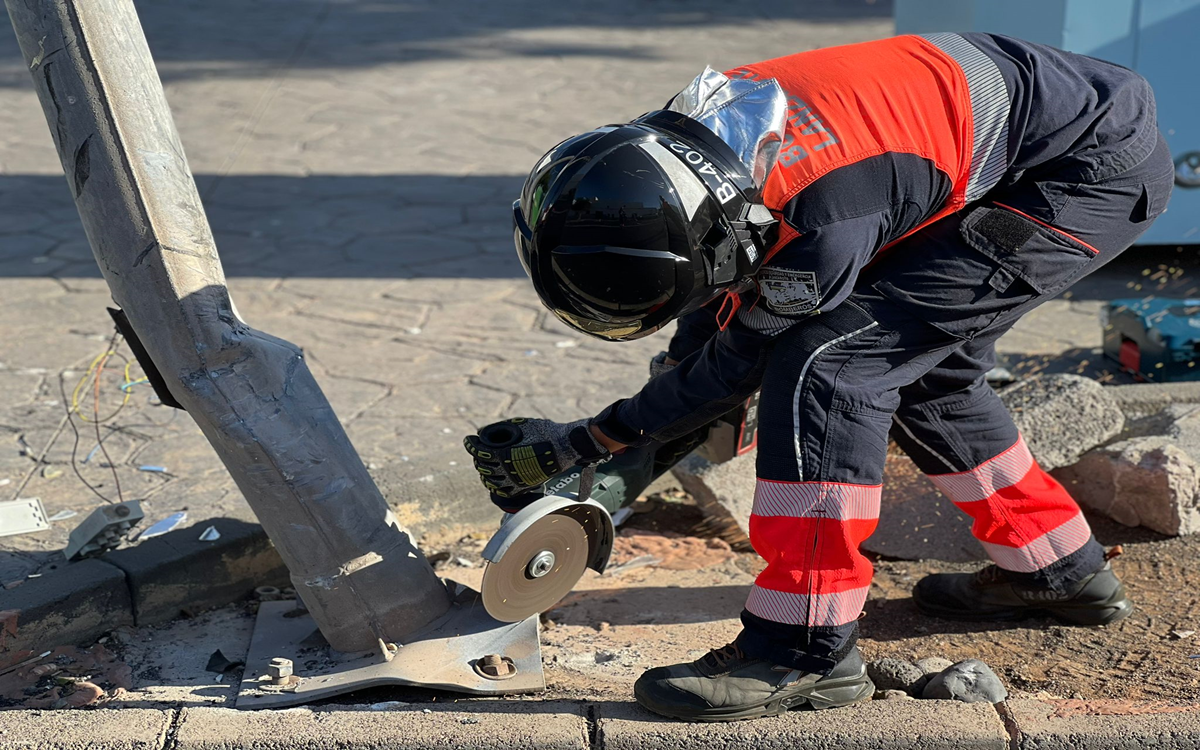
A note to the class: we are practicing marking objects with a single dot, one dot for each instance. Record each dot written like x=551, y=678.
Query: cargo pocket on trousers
x=1047, y=259
x=999, y=263
x=856, y=440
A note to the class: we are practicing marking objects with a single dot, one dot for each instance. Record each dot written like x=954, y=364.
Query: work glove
x=516, y=457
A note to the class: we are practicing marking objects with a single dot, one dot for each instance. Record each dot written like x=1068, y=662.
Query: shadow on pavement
x=383, y=226
x=658, y=605
x=392, y=226
x=899, y=620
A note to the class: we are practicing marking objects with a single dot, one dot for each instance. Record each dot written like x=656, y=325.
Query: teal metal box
x=1157, y=38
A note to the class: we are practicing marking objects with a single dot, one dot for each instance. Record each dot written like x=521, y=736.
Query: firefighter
x=850, y=229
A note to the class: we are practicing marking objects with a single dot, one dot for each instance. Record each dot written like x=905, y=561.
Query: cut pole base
x=448, y=655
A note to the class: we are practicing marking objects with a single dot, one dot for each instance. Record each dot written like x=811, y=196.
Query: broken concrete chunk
x=724, y=490
x=1146, y=481
x=1063, y=416
x=1145, y=399
x=895, y=674
x=969, y=681
x=1150, y=479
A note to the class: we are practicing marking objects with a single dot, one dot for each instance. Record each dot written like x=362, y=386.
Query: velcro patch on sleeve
x=786, y=291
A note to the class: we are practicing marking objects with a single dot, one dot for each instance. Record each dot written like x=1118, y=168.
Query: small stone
x=969, y=681
x=894, y=674
x=893, y=695
x=1179, y=635
x=604, y=627
x=932, y=666
x=86, y=693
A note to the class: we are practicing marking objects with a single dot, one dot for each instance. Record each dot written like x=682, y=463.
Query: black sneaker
x=726, y=685
x=992, y=594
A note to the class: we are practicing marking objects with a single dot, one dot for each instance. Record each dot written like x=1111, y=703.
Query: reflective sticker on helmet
x=787, y=291
x=720, y=184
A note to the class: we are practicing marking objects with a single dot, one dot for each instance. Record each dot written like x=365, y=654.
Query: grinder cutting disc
x=540, y=567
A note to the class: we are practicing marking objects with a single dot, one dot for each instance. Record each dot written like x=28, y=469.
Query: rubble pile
x=935, y=678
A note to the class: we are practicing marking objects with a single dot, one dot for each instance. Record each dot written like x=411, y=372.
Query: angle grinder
x=541, y=551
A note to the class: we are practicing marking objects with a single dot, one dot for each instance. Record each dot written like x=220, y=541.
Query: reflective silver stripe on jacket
x=990, y=108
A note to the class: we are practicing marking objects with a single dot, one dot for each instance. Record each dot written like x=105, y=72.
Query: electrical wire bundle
x=91, y=385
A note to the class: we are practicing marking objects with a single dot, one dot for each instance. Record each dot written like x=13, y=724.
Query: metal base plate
x=442, y=656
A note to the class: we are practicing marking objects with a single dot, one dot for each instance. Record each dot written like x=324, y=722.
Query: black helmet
x=627, y=227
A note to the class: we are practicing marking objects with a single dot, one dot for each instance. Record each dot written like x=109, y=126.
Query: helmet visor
x=600, y=329
x=615, y=284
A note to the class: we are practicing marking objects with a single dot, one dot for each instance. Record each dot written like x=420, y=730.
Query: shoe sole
x=828, y=693
x=1113, y=609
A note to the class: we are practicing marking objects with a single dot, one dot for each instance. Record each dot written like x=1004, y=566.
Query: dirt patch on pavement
x=1154, y=654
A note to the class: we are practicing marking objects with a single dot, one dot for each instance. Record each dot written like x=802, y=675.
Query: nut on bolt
x=495, y=667
x=279, y=671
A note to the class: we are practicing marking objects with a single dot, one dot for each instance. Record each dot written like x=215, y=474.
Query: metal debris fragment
x=167, y=524
x=220, y=663
x=24, y=516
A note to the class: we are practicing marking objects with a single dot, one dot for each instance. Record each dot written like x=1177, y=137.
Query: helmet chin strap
x=752, y=229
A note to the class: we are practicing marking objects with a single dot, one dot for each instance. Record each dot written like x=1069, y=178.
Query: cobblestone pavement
x=358, y=160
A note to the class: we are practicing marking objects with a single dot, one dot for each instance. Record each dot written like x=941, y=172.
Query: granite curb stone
x=149, y=583
x=874, y=725
x=100, y=729
x=480, y=725
x=1104, y=725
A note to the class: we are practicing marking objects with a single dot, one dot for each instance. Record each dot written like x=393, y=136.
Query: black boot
x=995, y=594
x=726, y=685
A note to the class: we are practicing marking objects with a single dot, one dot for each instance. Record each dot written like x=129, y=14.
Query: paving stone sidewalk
x=358, y=161
x=879, y=725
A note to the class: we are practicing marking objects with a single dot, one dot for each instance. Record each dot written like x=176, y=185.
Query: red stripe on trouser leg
x=809, y=534
x=1024, y=518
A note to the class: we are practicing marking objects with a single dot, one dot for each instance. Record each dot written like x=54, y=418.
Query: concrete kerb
x=878, y=725
x=1103, y=725
x=142, y=585
x=875, y=725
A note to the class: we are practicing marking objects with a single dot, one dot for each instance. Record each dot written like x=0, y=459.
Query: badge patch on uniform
x=789, y=292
